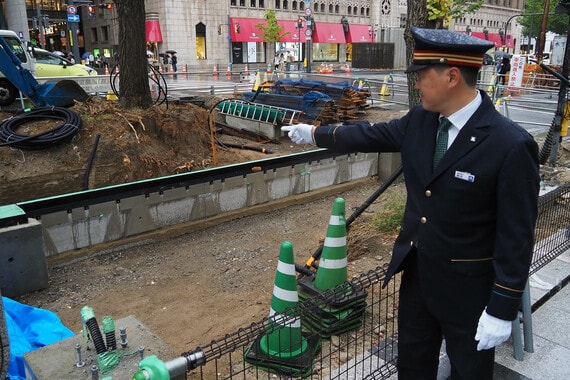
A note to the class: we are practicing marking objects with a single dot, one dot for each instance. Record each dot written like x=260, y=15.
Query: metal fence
x=552, y=232
x=350, y=331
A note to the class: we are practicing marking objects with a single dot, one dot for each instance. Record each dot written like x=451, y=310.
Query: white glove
x=491, y=331
x=300, y=133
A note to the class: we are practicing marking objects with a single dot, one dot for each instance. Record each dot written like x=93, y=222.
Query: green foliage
x=557, y=23
x=271, y=31
x=390, y=218
x=441, y=12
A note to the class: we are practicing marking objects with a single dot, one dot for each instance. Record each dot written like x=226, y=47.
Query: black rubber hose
x=90, y=162
x=69, y=128
x=96, y=335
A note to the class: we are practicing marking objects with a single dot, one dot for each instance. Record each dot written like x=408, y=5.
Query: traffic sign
x=72, y=18
x=308, y=12
x=71, y=9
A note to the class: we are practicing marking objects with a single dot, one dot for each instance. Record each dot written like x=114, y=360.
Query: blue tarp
x=29, y=328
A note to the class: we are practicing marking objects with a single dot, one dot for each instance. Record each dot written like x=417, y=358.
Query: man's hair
x=469, y=74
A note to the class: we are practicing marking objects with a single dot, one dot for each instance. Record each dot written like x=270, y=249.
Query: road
x=534, y=110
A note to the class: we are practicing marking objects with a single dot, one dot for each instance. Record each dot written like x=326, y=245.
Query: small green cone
x=284, y=339
x=333, y=263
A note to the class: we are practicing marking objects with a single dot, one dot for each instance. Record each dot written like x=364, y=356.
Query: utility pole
x=550, y=148
x=72, y=27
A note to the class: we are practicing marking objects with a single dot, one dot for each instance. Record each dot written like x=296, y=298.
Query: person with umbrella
x=173, y=59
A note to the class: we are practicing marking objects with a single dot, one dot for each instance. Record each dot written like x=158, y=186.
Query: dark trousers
x=420, y=336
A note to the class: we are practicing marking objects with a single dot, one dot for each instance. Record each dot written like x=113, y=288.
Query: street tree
x=533, y=15
x=271, y=31
x=134, y=90
x=433, y=14
x=441, y=12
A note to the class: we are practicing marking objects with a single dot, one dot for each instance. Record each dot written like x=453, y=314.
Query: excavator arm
x=62, y=93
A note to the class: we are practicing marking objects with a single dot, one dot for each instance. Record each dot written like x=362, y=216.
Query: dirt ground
x=192, y=288
x=198, y=286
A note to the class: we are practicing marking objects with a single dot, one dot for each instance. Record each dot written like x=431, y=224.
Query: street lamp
x=468, y=30
x=502, y=36
x=486, y=33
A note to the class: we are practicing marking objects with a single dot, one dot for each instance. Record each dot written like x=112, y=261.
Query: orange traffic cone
x=246, y=70
x=184, y=74
x=106, y=70
x=348, y=69
x=117, y=70
x=215, y=71
x=229, y=72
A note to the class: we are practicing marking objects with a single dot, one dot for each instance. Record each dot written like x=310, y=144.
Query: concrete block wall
x=113, y=220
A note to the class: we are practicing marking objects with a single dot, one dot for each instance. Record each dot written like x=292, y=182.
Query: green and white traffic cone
x=284, y=348
x=333, y=262
x=344, y=305
x=286, y=340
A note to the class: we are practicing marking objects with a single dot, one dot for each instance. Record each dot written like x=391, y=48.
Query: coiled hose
x=71, y=123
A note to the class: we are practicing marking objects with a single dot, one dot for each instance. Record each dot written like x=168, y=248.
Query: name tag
x=465, y=176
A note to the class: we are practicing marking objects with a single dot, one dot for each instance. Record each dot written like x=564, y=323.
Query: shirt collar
x=460, y=118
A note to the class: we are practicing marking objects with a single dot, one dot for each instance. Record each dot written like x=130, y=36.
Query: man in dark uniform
x=466, y=241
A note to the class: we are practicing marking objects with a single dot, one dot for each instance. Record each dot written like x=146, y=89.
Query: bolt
x=80, y=363
x=123, y=336
x=94, y=372
x=141, y=352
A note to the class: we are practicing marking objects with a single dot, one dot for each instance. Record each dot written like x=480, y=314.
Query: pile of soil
x=121, y=146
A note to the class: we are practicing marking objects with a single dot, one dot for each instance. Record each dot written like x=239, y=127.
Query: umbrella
x=171, y=52
x=163, y=55
x=60, y=53
x=86, y=55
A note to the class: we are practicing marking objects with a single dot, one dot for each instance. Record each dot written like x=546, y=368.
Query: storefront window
x=248, y=52
x=325, y=52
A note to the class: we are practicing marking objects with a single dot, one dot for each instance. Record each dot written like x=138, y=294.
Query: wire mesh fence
x=349, y=332
x=552, y=232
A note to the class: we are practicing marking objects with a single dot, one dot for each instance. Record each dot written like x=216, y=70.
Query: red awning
x=328, y=33
x=153, y=33
x=244, y=30
x=293, y=35
x=358, y=33
x=496, y=38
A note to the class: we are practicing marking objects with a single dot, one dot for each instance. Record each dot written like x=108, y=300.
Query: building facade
x=208, y=34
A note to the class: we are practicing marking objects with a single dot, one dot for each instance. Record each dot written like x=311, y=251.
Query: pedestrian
x=165, y=59
x=289, y=59
x=276, y=62
x=174, y=62
x=504, y=69
x=466, y=240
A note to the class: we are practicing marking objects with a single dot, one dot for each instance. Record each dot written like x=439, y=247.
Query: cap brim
x=415, y=67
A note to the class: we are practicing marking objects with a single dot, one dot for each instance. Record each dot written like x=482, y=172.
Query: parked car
x=53, y=65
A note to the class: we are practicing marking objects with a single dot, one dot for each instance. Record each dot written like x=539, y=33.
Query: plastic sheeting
x=29, y=328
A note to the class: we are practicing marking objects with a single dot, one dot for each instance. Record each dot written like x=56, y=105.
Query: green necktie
x=441, y=141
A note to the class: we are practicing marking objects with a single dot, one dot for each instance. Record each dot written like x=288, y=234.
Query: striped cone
x=284, y=348
x=286, y=340
x=333, y=263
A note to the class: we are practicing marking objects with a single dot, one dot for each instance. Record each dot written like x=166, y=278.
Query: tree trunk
x=417, y=16
x=133, y=89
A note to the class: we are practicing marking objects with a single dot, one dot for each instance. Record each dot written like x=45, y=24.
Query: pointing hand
x=300, y=133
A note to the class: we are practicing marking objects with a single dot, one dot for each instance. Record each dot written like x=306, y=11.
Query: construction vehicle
x=16, y=65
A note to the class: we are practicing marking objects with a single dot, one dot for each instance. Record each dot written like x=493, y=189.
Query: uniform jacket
x=472, y=218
